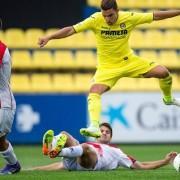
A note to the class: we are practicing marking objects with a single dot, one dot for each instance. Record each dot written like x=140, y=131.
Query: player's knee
x=99, y=88
x=3, y=143
x=64, y=132
x=165, y=74
x=159, y=72
x=95, y=89
x=2, y=139
x=85, y=147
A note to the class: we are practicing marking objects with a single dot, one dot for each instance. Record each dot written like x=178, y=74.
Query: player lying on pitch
x=100, y=155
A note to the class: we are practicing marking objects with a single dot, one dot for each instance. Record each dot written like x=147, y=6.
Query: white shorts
x=6, y=120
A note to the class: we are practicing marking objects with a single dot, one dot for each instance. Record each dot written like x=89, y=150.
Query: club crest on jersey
x=122, y=25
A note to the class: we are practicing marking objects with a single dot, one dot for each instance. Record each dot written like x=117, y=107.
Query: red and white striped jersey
x=6, y=96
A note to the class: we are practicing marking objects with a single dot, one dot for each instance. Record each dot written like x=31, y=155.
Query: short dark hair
x=109, y=4
x=108, y=126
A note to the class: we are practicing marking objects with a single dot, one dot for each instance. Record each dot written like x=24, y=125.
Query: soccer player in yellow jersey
x=116, y=59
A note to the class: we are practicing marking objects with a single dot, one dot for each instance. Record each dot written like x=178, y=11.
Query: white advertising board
x=138, y=117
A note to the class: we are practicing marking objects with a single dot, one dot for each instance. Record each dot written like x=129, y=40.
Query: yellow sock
x=165, y=85
x=94, y=108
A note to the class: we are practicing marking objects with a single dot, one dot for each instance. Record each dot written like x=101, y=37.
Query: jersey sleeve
x=2, y=51
x=87, y=24
x=125, y=160
x=141, y=18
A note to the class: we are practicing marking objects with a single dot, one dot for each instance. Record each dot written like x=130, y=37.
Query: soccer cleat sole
x=47, y=141
x=84, y=132
x=59, y=146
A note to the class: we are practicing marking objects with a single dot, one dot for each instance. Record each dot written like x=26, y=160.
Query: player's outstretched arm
x=50, y=167
x=159, y=15
x=62, y=33
x=155, y=164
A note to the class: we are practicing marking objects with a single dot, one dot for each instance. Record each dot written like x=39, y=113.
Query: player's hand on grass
x=170, y=157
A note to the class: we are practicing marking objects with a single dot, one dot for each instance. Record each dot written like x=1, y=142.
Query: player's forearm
x=150, y=165
x=50, y=167
x=62, y=33
x=155, y=164
x=159, y=15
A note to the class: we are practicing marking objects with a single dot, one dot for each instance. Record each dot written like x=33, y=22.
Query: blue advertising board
x=37, y=113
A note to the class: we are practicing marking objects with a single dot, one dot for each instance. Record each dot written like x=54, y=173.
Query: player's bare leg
x=165, y=82
x=52, y=145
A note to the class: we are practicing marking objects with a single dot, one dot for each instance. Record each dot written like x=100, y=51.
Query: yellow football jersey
x=112, y=40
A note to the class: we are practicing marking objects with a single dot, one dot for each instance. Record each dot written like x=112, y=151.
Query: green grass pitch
x=30, y=156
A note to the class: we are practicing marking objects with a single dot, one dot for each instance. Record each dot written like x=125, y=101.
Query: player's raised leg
x=58, y=144
x=165, y=85
x=165, y=82
x=53, y=145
